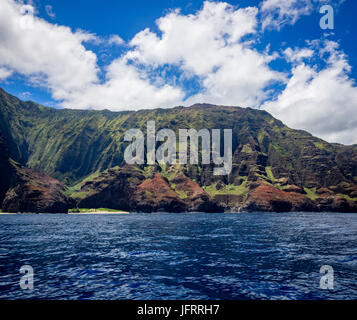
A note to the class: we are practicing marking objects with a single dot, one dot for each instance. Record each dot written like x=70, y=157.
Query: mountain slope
x=26, y=190
x=73, y=145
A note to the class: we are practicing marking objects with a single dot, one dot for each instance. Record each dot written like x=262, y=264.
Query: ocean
x=179, y=256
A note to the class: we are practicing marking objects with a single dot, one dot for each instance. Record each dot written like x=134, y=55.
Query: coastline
x=97, y=212
x=70, y=213
x=104, y=212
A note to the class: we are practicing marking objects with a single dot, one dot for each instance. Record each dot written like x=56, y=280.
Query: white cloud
x=47, y=54
x=298, y=54
x=210, y=44
x=4, y=73
x=195, y=40
x=115, y=40
x=277, y=13
x=54, y=56
x=125, y=88
x=323, y=102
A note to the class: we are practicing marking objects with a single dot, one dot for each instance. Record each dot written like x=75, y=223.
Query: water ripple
x=179, y=256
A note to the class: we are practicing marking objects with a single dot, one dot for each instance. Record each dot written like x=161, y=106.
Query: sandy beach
x=98, y=212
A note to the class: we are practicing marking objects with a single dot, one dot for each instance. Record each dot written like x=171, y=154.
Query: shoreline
x=97, y=212
x=128, y=213
x=74, y=213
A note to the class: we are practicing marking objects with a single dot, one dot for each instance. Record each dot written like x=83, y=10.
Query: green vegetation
x=279, y=148
x=347, y=197
x=226, y=189
x=167, y=171
x=80, y=194
x=247, y=149
x=182, y=194
x=270, y=174
x=75, y=190
x=311, y=193
x=319, y=145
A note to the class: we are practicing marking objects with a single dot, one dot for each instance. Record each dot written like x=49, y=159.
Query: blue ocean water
x=179, y=256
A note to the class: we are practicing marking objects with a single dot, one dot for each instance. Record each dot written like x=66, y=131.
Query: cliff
x=275, y=168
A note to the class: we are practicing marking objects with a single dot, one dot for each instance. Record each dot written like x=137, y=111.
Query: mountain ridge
x=270, y=160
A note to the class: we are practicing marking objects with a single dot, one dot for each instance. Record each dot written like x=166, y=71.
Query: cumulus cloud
x=115, y=40
x=125, y=88
x=298, y=54
x=55, y=57
x=208, y=45
x=4, y=73
x=211, y=45
x=321, y=101
x=47, y=54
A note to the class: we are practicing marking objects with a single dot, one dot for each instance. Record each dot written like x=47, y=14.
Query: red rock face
x=156, y=195
x=185, y=184
x=127, y=188
x=293, y=188
x=268, y=198
x=157, y=187
x=196, y=198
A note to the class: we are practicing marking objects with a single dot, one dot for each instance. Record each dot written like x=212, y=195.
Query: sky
x=271, y=55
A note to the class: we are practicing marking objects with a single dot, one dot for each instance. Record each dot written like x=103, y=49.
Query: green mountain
x=274, y=167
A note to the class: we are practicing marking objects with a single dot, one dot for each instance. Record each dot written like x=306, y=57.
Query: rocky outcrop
x=194, y=196
x=26, y=190
x=143, y=189
x=131, y=188
x=35, y=192
x=269, y=198
x=155, y=195
x=295, y=189
x=328, y=201
x=112, y=189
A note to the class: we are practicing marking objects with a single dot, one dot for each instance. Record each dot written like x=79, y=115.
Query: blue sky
x=268, y=54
